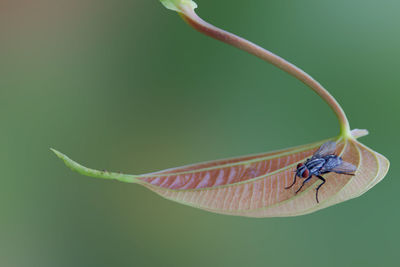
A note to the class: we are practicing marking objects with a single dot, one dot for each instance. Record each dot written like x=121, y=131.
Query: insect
x=323, y=161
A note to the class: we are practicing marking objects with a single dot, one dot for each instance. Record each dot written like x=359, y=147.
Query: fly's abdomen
x=332, y=162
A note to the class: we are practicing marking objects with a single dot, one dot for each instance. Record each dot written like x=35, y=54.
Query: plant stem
x=206, y=28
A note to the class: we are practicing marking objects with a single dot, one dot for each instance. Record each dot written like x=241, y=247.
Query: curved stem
x=206, y=28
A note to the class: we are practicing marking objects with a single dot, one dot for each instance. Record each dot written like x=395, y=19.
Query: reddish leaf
x=254, y=185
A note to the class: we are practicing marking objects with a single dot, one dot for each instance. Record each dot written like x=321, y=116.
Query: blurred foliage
x=125, y=85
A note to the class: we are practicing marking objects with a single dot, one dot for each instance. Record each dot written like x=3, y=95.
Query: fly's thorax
x=315, y=163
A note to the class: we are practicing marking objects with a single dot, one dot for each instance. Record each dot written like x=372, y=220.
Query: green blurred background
x=125, y=85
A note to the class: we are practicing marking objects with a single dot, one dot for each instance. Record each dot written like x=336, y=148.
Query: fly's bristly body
x=323, y=161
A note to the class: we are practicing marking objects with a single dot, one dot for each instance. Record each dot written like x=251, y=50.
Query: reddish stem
x=206, y=28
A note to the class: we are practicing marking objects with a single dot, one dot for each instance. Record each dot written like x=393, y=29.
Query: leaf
x=254, y=186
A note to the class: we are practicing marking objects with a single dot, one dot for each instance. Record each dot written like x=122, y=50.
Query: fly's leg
x=294, y=181
x=323, y=181
x=305, y=181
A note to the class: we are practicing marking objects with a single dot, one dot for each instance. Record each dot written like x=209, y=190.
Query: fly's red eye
x=300, y=165
x=305, y=174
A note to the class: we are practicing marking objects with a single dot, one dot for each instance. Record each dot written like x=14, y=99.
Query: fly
x=323, y=161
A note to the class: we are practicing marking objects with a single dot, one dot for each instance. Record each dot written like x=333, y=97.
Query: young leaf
x=256, y=185
x=178, y=5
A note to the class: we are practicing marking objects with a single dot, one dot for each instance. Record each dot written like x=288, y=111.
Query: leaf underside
x=254, y=186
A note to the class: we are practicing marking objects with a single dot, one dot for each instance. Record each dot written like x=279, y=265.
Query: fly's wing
x=345, y=167
x=327, y=148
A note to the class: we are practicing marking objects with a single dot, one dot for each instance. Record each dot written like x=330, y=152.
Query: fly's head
x=302, y=171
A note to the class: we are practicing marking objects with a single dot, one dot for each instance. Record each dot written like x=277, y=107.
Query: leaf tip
x=58, y=153
x=75, y=166
x=67, y=161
